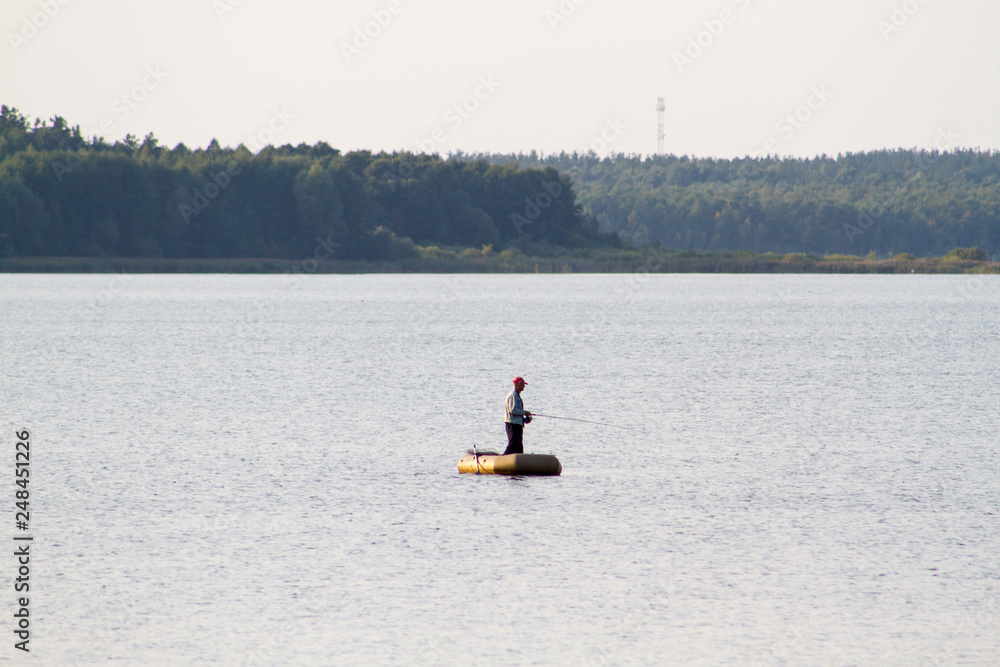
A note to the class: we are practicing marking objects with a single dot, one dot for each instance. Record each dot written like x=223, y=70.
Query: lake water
x=261, y=470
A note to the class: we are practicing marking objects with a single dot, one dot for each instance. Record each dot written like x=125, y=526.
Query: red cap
x=519, y=379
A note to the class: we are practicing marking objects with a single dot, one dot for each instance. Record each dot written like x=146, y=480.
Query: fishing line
x=624, y=428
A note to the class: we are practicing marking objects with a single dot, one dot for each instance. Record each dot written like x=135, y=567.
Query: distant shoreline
x=443, y=261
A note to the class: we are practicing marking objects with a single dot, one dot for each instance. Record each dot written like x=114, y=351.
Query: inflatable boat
x=511, y=464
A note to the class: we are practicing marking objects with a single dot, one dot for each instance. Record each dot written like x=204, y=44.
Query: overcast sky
x=739, y=77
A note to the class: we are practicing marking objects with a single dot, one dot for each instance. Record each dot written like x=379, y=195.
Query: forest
x=918, y=202
x=62, y=194
x=66, y=195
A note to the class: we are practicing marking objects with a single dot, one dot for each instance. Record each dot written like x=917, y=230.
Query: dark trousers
x=515, y=439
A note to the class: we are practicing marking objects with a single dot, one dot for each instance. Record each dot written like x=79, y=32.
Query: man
x=515, y=418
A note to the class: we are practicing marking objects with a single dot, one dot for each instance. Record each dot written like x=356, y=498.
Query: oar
x=625, y=428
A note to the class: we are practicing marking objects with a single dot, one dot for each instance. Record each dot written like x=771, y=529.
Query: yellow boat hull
x=511, y=464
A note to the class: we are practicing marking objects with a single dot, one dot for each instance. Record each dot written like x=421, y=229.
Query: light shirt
x=515, y=408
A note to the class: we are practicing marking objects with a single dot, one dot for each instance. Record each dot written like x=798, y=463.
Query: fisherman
x=516, y=418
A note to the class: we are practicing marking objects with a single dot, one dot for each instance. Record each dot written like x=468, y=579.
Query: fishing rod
x=625, y=428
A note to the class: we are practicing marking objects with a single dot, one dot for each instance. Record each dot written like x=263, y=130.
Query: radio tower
x=661, y=133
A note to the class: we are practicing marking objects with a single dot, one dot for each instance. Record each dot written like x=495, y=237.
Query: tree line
x=62, y=194
x=889, y=201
